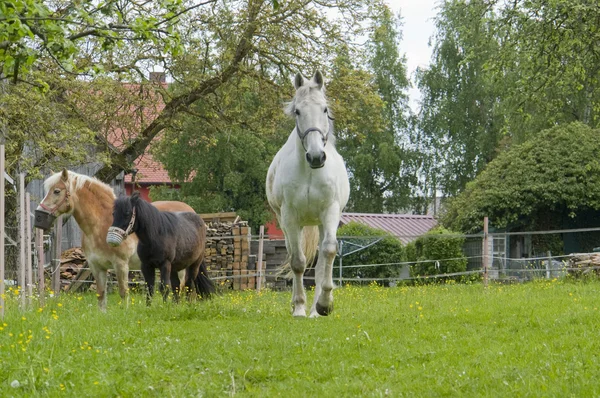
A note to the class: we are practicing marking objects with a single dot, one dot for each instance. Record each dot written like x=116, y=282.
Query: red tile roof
x=150, y=171
x=407, y=227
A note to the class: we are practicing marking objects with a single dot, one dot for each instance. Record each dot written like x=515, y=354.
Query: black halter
x=303, y=135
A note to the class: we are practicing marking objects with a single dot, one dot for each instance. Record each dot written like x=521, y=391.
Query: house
x=406, y=227
x=146, y=173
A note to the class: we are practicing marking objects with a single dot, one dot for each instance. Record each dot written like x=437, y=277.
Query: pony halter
x=54, y=209
x=116, y=235
x=45, y=217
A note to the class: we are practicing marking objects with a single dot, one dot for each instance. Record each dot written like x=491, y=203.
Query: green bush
x=448, y=250
x=388, y=250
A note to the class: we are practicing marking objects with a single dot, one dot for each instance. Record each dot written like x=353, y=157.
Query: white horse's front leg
x=323, y=301
x=319, y=274
x=293, y=235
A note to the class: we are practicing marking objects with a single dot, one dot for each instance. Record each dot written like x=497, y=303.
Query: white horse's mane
x=76, y=181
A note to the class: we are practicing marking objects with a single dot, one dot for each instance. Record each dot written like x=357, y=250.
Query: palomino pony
x=168, y=241
x=307, y=185
x=91, y=201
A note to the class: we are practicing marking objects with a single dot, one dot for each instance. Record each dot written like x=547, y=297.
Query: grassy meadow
x=536, y=339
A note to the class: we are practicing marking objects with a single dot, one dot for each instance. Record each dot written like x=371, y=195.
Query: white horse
x=307, y=186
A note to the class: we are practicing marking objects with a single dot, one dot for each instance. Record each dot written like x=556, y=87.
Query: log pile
x=584, y=264
x=73, y=269
x=227, y=255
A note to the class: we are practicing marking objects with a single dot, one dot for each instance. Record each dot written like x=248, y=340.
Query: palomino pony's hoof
x=324, y=311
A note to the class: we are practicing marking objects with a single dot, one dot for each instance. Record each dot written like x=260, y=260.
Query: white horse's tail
x=310, y=244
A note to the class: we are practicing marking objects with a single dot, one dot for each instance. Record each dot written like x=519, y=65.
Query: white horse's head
x=313, y=122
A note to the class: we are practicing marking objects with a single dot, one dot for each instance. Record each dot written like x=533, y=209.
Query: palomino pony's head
x=313, y=120
x=124, y=218
x=61, y=196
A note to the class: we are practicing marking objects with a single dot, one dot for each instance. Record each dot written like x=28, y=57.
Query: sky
x=417, y=29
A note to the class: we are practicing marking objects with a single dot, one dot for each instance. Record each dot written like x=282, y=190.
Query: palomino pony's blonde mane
x=78, y=181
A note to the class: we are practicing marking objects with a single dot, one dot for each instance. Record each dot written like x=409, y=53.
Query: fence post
x=39, y=239
x=259, y=262
x=341, y=257
x=548, y=265
x=485, y=251
x=57, y=253
x=28, y=251
x=22, y=244
x=2, y=231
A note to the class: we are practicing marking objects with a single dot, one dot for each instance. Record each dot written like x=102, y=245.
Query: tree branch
x=137, y=147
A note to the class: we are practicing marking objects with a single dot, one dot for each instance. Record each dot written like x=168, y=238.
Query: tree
x=86, y=37
x=199, y=44
x=375, y=144
x=501, y=73
x=550, y=181
x=221, y=154
x=457, y=125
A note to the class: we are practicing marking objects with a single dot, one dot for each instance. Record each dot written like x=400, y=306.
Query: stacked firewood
x=227, y=254
x=73, y=268
x=584, y=264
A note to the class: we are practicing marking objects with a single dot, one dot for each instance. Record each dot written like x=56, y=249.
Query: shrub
x=388, y=250
x=447, y=250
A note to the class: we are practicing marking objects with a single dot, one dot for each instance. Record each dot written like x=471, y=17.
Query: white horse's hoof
x=324, y=310
x=299, y=312
x=314, y=314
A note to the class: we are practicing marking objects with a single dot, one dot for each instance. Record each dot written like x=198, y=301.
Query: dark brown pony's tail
x=204, y=286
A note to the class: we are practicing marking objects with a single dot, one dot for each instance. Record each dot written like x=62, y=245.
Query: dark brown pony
x=169, y=241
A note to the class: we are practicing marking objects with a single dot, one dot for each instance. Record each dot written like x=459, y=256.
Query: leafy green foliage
x=37, y=125
x=86, y=37
x=386, y=251
x=434, y=245
x=221, y=155
x=379, y=165
x=501, y=73
x=544, y=182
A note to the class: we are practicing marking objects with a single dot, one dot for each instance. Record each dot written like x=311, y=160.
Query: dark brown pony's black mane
x=151, y=224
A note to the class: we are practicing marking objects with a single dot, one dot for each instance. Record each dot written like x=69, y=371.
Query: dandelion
x=59, y=304
x=23, y=318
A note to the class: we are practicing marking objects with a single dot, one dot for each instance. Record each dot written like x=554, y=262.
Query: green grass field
x=536, y=339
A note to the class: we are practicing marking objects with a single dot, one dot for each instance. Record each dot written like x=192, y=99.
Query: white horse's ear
x=65, y=175
x=318, y=78
x=298, y=81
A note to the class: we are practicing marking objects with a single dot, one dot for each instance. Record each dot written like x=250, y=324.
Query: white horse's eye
x=297, y=112
x=56, y=191
x=325, y=111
